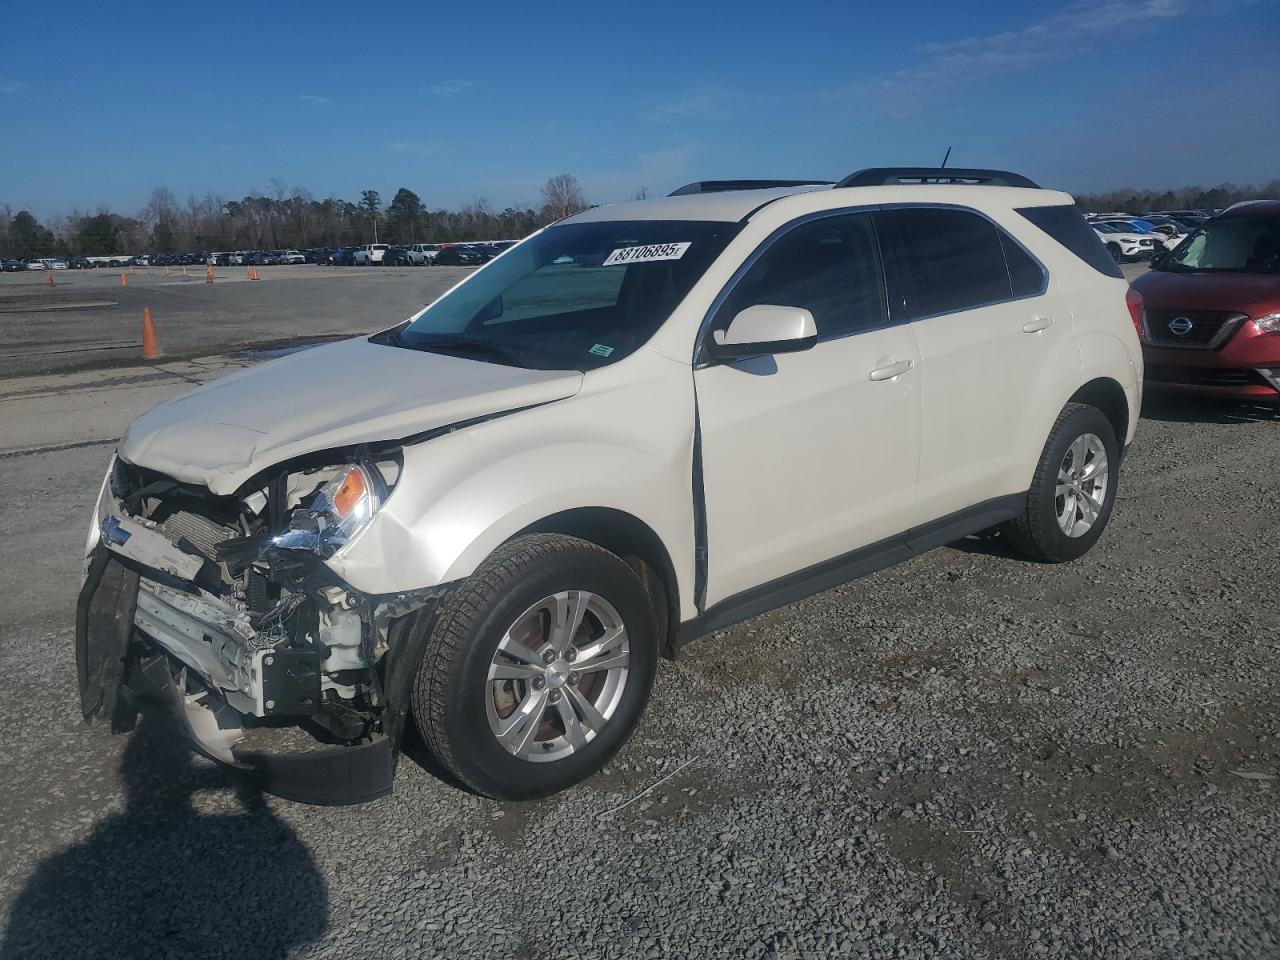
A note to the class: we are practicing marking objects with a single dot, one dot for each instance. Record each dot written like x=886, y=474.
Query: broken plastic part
x=340, y=510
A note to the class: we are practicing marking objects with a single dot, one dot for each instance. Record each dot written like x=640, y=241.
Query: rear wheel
x=1073, y=490
x=538, y=668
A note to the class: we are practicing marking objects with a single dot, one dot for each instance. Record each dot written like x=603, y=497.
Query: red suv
x=1210, y=318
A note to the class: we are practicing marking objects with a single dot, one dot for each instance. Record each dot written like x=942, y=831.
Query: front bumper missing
x=333, y=776
x=120, y=667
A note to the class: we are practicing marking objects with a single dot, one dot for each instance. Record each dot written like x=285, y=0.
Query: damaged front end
x=222, y=612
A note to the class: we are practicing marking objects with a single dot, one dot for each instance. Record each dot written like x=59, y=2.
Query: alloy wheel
x=1081, y=490
x=557, y=676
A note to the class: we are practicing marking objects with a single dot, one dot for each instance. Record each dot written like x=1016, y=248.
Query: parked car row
x=369, y=254
x=261, y=258
x=1128, y=238
x=46, y=263
x=416, y=254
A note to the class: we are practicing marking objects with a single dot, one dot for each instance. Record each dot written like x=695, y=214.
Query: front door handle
x=891, y=371
x=1036, y=324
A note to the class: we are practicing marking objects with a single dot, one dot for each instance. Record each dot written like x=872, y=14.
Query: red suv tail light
x=1133, y=299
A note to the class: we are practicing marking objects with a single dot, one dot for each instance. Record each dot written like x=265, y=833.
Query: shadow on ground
x=990, y=543
x=1176, y=408
x=165, y=879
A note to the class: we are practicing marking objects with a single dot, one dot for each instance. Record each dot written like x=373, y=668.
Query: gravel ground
x=968, y=755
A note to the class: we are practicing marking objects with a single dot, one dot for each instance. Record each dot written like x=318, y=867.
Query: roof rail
x=887, y=176
x=723, y=186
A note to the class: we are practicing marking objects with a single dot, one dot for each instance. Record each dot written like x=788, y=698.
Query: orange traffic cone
x=124, y=281
x=208, y=275
x=166, y=271
x=184, y=271
x=50, y=273
x=150, y=345
x=248, y=273
x=255, y=276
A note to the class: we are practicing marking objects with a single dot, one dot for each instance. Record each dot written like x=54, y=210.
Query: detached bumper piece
x=332, y=776
x=119, y=666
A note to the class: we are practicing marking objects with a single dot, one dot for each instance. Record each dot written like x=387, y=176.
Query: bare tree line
x=281, y=218
x=1130, y=200
x=289, y=218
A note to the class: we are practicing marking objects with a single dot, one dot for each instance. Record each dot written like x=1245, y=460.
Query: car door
x=997, y=349
x=810, y=455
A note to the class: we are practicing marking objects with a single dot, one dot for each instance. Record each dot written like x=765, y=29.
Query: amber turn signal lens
x=353, y=487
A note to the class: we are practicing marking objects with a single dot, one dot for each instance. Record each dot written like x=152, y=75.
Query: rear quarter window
x=1068, y=226
x=1025, y=275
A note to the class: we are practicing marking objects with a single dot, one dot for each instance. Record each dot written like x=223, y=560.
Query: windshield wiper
x=392, y=338
x=511, y=356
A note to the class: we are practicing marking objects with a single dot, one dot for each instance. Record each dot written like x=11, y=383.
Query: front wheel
x=1073, y=490
x=1116, y=254
x=538, y=668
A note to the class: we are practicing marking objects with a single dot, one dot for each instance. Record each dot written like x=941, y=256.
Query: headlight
x=1269, y=323
x=339, y=510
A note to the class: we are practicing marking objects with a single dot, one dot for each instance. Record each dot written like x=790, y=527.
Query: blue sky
x=99, y=103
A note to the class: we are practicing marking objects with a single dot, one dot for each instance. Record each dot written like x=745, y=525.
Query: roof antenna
x=945, y=159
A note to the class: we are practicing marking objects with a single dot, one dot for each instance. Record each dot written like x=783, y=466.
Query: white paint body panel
x=805, y=458
x=221, y=434
x=624, y=442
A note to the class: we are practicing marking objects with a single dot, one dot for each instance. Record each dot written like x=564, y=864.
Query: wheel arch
x=1108, y=396
x=630, y=538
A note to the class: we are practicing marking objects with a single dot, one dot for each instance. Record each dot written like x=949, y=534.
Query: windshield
x=573, y=297
x=1105, y=228
x=1230, y=245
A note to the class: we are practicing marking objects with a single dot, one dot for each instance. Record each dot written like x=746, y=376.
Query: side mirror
x=764, y=329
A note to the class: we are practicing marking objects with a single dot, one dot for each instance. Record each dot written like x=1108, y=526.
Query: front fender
x=462, y=495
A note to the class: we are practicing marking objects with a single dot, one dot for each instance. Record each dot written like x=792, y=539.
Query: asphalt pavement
x=89, y=319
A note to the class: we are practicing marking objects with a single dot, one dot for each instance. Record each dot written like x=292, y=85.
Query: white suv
x=639, y=426
x=370, y=254
x=1123, y=243
x=423, y=254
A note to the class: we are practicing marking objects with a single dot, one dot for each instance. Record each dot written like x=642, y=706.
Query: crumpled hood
x=221, y=434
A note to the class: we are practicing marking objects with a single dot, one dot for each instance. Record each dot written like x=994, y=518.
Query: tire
x=1115, y=252
x=458, y=705
x=1039, y=533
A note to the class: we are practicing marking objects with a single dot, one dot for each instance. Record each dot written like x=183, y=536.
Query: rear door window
x=944, y=261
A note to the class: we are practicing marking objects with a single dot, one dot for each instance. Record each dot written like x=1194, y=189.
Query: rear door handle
x=891, y=371
x=1036, y=324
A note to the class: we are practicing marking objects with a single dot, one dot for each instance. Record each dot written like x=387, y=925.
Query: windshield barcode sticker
x=647, y=253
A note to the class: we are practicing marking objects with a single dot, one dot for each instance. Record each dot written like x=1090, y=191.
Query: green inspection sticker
x=600, y=350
